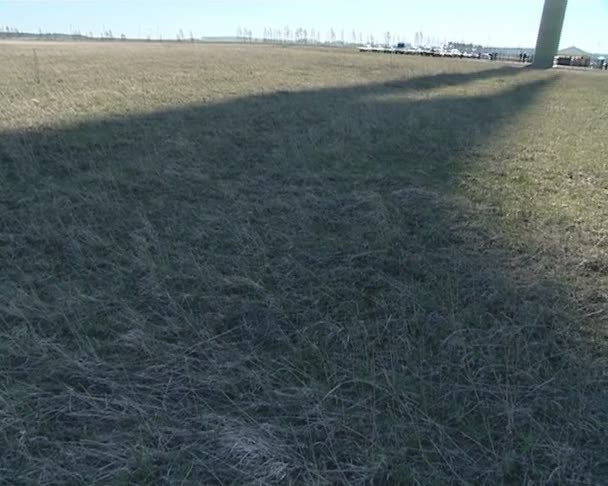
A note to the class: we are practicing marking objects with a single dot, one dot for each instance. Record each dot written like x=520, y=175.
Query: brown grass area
x=264, y=265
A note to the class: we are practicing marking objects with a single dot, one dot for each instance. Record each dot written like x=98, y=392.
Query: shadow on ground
x=280, y=288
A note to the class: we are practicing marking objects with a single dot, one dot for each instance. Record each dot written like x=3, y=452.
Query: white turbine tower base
x=550, y=33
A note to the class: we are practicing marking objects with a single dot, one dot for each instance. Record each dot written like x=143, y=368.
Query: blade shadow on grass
x=284, y=287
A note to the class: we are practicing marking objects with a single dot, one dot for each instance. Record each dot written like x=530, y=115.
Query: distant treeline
x=245, y=35
x=14, y=34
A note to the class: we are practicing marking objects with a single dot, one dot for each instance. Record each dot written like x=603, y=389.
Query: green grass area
x=247, y=265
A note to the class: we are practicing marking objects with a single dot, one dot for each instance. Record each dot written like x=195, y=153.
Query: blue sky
x=511, y=22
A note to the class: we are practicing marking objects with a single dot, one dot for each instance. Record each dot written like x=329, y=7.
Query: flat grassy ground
x=247, y=265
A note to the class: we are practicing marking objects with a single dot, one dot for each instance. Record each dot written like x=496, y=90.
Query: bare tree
x=298, y=34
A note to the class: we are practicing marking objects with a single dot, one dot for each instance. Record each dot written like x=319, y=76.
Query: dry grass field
x=264, y=265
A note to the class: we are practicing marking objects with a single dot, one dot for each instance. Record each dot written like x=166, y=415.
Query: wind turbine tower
x=549, y=33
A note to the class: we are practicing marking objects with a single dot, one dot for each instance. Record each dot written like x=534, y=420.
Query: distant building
x=573, y=56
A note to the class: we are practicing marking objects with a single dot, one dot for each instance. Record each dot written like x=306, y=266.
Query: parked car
x=401, y=48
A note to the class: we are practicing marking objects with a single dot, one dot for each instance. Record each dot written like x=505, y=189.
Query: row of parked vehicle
x=428, y=51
